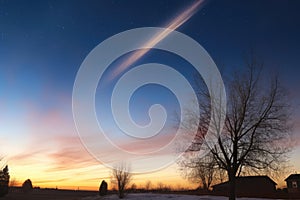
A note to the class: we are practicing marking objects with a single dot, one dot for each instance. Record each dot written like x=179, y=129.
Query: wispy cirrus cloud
x=175, y=23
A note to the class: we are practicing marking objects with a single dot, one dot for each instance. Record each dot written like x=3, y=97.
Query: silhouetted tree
x=13, y=182
x=148, y=185
x=203, y=170
x=4, y=181
x=103, y=188
x=256, y=129
x=27, y=186
x=160, y=186
x=133, y=187
x=121, y=173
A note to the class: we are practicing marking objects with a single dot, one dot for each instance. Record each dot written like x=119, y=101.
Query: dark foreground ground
x=44, y=194
x=52, y=194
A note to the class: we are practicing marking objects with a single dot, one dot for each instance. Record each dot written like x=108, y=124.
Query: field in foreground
x=92, y=195
x=49, y=195
x=150, y=196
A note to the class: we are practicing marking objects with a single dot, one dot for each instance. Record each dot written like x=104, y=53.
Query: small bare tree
x=203, y=170
x=13, y=183
x=148, y=185
x=121, y=174
x=160, y=186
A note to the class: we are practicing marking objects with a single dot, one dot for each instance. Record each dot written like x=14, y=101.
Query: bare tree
x=121, y=174
x=160, y=186
x=148, y=185
x=202, y=170
x=13, y=182
x=256, y=125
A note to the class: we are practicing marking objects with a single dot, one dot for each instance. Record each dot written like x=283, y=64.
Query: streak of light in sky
x=180, y=19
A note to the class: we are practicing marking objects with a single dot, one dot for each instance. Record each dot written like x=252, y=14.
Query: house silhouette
x=293, y=183
x=248, y=186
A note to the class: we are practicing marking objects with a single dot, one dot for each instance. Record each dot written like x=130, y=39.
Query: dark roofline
x=247, y=177
x=220, y=184
x=292, y=177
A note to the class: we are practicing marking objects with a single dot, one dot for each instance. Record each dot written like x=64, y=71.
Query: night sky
x=42, y=46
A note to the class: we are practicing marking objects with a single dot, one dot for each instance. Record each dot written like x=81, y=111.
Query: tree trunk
x=232, y=184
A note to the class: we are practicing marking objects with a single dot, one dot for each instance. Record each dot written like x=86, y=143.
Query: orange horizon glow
x=168, y=177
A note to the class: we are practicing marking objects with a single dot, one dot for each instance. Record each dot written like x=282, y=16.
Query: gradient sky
x=43, y=43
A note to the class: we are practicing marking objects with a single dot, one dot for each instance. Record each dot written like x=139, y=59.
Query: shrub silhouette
x=4, y=181
x=27, y=186
x=103, y=188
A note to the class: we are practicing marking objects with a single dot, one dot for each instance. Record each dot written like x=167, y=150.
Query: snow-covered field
x=150, y=196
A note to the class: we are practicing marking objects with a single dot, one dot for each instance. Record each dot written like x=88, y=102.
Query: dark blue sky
x=51, y=38
x=43, y=43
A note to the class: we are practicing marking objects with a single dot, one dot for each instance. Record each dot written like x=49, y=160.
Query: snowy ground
x=150, y=196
